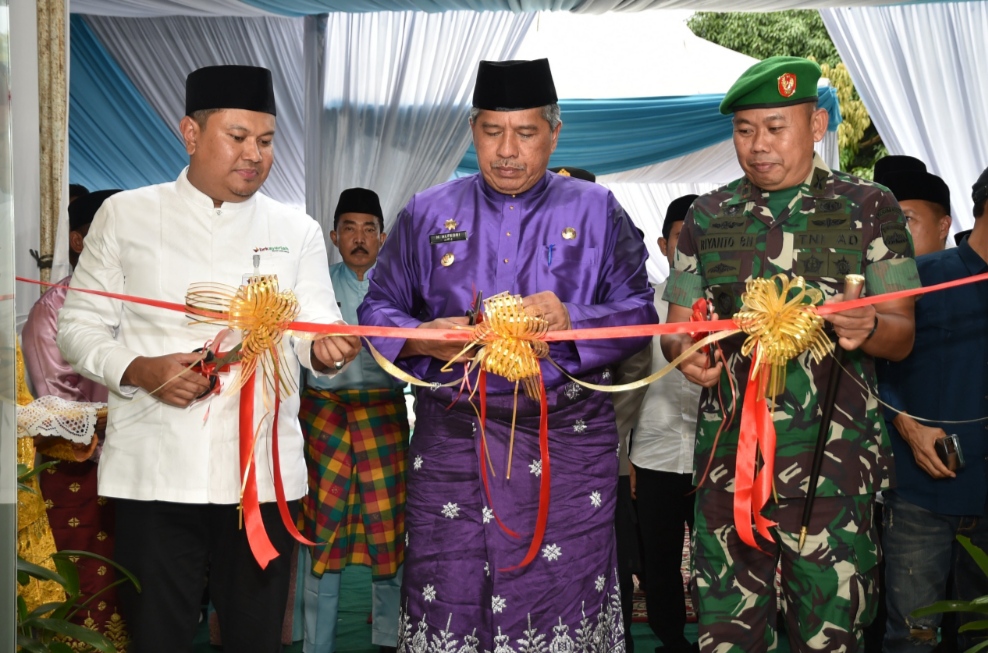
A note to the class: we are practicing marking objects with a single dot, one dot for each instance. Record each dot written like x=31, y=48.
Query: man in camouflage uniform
x=791, y=215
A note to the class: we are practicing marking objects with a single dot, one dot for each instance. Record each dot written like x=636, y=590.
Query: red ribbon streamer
x=542, y=518
x=482, y=390
x=752, y=487
x=279, y=484
x=260, y=545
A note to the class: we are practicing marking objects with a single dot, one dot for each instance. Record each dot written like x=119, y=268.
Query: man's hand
x=168, y=377
x=922, y=440
x=442, y=349
x=333, y=352
x=853, y=325
x=697, y=367
x=548, y=306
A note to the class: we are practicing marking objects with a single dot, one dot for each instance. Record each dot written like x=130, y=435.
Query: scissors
x=475, y=313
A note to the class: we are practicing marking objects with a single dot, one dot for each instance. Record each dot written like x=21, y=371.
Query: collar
x=536, y=190
x=198, y=198
x=351, y=275
x=818, y=183
x=971, y=259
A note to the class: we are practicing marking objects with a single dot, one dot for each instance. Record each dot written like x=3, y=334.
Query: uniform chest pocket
x=570, y=272
x=829, y=265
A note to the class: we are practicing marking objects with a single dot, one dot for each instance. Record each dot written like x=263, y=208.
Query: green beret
x=774, y=82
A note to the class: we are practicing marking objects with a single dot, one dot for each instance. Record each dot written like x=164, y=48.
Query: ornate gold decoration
x=115, y=630
x=569, y=233
x=447, y=259
x=781, y=322
x=451, y=224
x=74, y=487
x=510, y=341
x=260, y=312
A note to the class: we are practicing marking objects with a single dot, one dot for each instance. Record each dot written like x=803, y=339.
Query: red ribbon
x=260, y=545
x=542, y=517
x=752, y=487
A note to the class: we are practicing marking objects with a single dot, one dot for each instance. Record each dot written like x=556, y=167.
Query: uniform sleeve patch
x=896, y=239
x=886, y=211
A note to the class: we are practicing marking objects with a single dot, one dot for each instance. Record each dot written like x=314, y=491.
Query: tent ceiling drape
x=149, y=8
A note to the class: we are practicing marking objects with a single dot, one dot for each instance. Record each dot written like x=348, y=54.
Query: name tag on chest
x=727, y=243
x=438, y=239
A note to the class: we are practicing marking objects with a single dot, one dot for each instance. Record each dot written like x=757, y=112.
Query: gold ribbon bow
x=781, y=321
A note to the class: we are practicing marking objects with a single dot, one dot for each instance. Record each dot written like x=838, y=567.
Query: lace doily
x=54, y=417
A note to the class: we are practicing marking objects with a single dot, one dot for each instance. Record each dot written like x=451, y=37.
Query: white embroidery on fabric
x=533, y=641
x=603, y=635
x=579, y=426
x=561, y=641
x=502, y=643
x=536, y=467
x=451, y=510
x=429, y=593
x=551, y=552
x=417, y=463
x=595, y=500
x=488, y=514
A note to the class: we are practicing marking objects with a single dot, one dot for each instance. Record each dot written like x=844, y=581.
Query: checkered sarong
x=355, y=450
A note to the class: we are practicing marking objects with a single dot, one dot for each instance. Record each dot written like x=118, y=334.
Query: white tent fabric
x=395, y=91
x=150, y=8
x=920, y=69
x=158, y=53
x=158, y=8
x=635, y=55
x=646, y=204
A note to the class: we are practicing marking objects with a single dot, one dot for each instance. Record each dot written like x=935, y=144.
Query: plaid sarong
x=355, y=450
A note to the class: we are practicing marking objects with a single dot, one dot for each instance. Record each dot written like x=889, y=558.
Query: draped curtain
x=116, y=139
x=390, y=97
x=920, y=70
x=157, y=54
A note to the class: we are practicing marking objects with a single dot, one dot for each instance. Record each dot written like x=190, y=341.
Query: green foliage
x=45, y=629
x=794, y=33
x=978, y=605
x=801, y=33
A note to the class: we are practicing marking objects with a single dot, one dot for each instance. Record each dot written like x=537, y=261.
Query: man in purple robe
x=568, y=248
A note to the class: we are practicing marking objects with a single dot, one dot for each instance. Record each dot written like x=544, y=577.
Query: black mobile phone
x=950, y=453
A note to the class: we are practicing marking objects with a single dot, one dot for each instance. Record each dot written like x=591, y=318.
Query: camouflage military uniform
x=835, y=225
